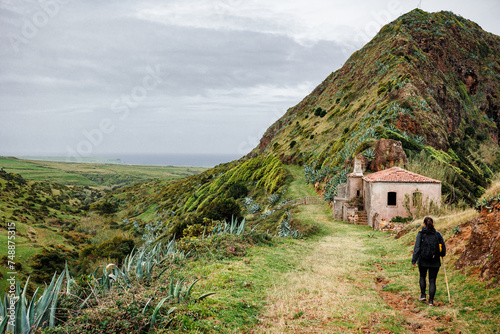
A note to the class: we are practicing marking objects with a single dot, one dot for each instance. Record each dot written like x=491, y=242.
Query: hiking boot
x=422, y=297
x=431, y=302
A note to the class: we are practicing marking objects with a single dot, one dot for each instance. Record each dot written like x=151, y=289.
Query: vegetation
x=399, y=87
x=223, y=250
x=52, y=219
x=92, y=174
x=214, y=281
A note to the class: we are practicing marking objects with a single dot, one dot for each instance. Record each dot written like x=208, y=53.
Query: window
x=391, y=198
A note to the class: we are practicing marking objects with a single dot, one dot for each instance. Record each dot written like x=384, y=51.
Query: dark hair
x=429, y=223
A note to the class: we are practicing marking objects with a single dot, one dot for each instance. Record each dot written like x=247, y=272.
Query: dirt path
x=338, y=288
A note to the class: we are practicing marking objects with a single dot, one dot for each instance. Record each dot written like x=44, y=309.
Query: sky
x=83, y=78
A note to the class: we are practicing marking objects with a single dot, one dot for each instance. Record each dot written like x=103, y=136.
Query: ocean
x=185, y=160
x=192, y=160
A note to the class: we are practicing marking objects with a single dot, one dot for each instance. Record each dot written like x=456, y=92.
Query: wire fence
x=309, y=200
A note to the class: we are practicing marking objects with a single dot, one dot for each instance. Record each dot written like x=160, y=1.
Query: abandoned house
x=372, y=198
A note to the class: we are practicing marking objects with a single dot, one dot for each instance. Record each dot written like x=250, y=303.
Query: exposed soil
x=482, y=242
x=406, y=304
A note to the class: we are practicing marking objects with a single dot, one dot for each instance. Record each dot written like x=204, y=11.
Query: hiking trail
x=340, y=286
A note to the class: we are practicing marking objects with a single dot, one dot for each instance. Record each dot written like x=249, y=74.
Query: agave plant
x=230, y=228
x=31, y=314
x=284, y=229
x=369, y=153
x=177, y=293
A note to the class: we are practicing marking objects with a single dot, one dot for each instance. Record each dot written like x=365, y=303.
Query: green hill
x=52, y=207
x=429, y=80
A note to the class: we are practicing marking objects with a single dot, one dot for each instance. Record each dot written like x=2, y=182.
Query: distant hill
x=429, y=80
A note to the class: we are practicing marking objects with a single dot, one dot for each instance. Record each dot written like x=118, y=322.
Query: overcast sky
x=89, y=77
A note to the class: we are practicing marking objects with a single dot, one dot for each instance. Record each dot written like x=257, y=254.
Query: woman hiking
x=429, y=247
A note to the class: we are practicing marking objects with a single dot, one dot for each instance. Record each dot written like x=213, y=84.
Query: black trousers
x=433, y=272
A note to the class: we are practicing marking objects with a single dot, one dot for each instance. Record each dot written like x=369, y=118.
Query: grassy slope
x=345, y=280
x=44, y=227
x=298, y=187
x=393, y=88
x=90, y=174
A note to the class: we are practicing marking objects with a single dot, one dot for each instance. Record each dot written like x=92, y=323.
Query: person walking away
x=429, y=248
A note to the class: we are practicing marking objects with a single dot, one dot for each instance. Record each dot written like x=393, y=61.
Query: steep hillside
x=429, y=80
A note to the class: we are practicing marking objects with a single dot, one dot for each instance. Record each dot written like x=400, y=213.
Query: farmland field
x=92, y=174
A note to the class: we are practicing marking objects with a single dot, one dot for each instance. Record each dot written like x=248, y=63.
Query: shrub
x=237, y=190
x=399, y=219
x=223, y=209
x=116, y=249
x=104, y=207
x=49, y=261
x=481, y=137
x=470, y=131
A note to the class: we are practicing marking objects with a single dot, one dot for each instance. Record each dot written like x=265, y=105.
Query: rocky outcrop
x=388, y=153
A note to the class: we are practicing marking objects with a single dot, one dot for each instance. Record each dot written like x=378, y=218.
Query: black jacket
x=416, y=251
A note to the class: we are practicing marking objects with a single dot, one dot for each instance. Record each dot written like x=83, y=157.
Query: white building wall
x=376, y=198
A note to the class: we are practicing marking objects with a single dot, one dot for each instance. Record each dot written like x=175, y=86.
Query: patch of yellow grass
x=494, y=189
x=450, y=221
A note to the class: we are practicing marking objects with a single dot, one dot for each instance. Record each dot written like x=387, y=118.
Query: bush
x=237, y=190
x=470, y=131
x=104, y=208
x=116, y=248
x=223, y=208
x=481, y=137
x=50, y=261
x=399, y=219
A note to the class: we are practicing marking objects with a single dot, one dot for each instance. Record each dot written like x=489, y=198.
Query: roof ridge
x=386, y=174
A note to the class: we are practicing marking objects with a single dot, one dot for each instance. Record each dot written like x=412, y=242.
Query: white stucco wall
x=376, y=197
x=354, y=183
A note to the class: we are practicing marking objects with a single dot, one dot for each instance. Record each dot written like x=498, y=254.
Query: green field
x=47, y=203
x=92, y=174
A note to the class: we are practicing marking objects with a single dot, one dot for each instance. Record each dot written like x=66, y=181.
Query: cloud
x=228, y=68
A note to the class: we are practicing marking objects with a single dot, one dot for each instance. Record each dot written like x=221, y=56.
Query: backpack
x=429, y=246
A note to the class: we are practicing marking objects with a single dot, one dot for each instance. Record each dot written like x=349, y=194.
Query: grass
x=344, y=279
x=92, y=174
x=494, y=189
x=240, y=285
x=26, y=249
x=328, y=284
x=298, y=187
x=333, y=289
x=14, y=206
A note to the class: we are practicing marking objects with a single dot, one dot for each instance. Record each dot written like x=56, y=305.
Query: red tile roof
x=396, y=174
